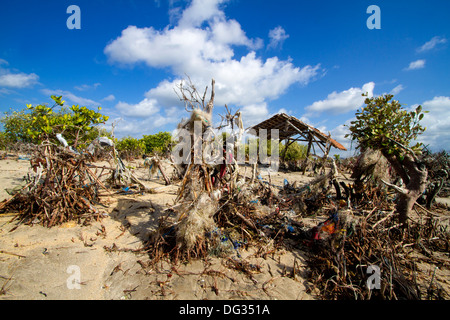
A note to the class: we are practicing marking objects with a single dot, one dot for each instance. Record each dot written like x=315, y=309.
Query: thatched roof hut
x=292, y=129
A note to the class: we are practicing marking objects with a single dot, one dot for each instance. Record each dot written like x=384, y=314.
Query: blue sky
x=310, y=59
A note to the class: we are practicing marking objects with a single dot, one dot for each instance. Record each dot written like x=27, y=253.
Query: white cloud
x=254, y=113
x=342, y=102
x=146, y=125
x=397, y=89
x=418, y=64
x=429, y=45
x=145, y=108
x=437, y=122
x=201, y=45
x=18, y=80
x=277, y=37
x=111, y=97
x=69, y=96
x=200, y=11
x=440, y=103
x=229, y=32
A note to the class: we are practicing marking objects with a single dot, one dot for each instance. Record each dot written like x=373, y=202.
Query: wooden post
x=310, y=137
x=162, y=172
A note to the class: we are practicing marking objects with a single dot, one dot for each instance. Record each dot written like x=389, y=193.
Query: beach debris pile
x=359, y=236
x=64, y=184
x=61, y=187
x=354, y=245
x=218, y=210
x=371, y=257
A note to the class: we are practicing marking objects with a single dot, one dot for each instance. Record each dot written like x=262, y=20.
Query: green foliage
x=383, y=122
x=295, y=151
x=15, y=125
x=4, y=141
x=130, y=147
x=40, y=123
x=157, y=143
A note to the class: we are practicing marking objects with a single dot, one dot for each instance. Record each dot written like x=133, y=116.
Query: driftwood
x=62, y=188
x=155, y=163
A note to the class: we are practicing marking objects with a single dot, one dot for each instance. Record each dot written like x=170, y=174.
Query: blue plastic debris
x=168, y=232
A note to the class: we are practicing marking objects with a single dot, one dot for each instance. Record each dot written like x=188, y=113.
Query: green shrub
x=129, y=147
x=40, y=123
x=157, y=143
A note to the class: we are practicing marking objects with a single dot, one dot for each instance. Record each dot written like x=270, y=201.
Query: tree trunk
x=405, y=205
x=415, y=184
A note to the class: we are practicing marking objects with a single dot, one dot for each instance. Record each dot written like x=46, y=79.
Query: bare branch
x=210, y=104
x=396, y=188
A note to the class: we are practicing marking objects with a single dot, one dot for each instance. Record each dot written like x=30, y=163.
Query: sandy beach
x=97, y=261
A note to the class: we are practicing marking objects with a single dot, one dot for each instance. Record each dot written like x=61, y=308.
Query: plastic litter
x=327, y=228
x=290, y=228
x=62, y=140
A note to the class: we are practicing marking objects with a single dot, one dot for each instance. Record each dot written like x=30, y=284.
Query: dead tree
x=413, y=173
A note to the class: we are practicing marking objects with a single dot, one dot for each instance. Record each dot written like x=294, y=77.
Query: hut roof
x=290, y=126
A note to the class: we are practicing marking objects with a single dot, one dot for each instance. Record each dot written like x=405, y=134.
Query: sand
x=72, y=261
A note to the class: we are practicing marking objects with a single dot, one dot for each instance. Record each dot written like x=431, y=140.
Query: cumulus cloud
x=418, y=64
x=437, y=122
x=145, y=108
x=438, y=104
x=18, y=80
x=433, y=43
x=277, y=36
x=200, y=11
x=342, y=102
x=254, y=113
x=14, y=79
x=201, y=44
